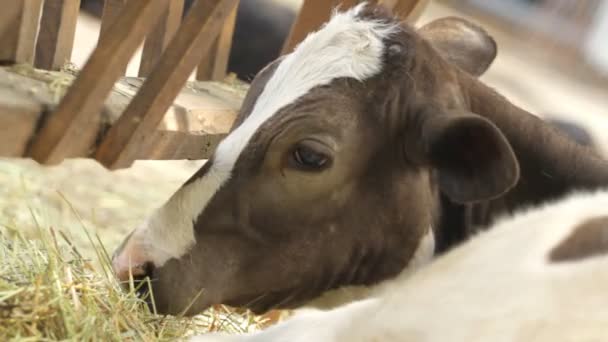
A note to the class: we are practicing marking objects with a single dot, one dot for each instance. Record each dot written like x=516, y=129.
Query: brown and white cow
x=540, y=275
x=354, y=159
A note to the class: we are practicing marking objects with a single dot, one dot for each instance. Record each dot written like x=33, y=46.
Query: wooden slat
x=22, y=101
x=199, y=118
x=8, y=15
x=409, y=10
x=122, y=143
x=18, y=41
x=215, y=64
x=311, y=16
x=159, y=38
x=205, y=68
x=111, y=11
x=18, y=118
x=57, y=30
x=73, y=126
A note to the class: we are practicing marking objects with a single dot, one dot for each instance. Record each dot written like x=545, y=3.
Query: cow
x=538, y=275
x=574, y=130
x=585, y=128
x=355, y=159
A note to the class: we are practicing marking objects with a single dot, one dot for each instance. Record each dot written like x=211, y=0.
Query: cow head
x=331, y=174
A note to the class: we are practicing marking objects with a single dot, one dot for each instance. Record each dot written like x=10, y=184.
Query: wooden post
x=109, y=14
x=311, y=16
x=18, y=115
x=159, y=38
x=18, y=29
x=8, y=16
x=409, y=10
x=198, y=119
x=72, y=128
x=111, y=10
x=57, y=30
x=204, y=71
x=215, y=64
x=121, y=145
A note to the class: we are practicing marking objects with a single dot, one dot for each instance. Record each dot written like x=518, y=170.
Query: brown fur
x=587, y=240
x=422, y=144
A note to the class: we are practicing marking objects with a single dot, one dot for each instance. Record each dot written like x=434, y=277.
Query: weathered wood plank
x=18, y=118
x=159, y=38
x=199, y=118
x=57, y=31
x=109, y=14
x=204, y=70
x=311, y=16
x=8, y=16
x=111, y=10
x=18, y=38
x=22, y=103
x=214, y=65
x=123, y=142
x=73, y=127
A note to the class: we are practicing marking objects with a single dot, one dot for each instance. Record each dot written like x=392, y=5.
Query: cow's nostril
x=129, y=260
x=143, y=281
x=140, y=273
x=148, y=269
x=125, y=267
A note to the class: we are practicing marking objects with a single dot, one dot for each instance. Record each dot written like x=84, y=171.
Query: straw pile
x=57, y=225
x=48, y=291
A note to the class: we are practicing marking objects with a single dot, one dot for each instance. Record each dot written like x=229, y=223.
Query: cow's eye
x=308, y=159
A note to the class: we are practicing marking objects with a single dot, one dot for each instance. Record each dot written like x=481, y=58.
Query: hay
x=56, y=286
x=108, y=203
x=57, y=82
x=48, y=291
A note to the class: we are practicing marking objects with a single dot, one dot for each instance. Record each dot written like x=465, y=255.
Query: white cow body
x=499, y=286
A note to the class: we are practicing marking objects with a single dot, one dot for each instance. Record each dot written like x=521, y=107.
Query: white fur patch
x=424, y=252
x=346, y=46
x=498, y=286
x=169, y=232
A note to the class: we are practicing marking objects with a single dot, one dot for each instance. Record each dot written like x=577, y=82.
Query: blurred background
x=552, y=60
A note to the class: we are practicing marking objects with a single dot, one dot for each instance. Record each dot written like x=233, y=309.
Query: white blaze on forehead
x=347, y=46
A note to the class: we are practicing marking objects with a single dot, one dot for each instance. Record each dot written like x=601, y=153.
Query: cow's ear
x=473, y=158
x=462, y=43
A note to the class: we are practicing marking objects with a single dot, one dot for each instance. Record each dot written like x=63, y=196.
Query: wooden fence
x=117, y=119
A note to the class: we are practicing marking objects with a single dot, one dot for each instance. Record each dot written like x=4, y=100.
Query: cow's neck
x=551, y=164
